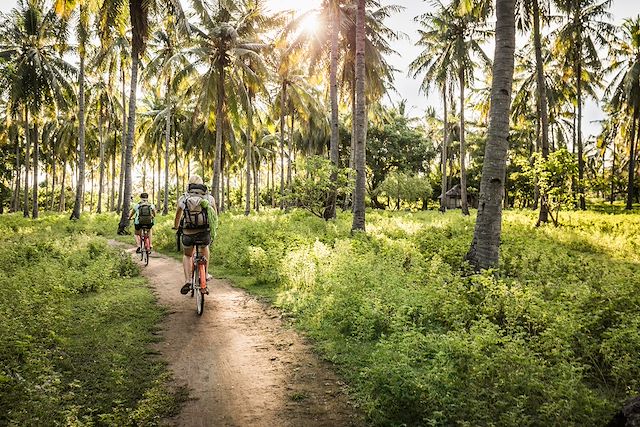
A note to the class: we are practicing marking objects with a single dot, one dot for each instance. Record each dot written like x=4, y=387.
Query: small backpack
x=195, y=216
x=145, y=214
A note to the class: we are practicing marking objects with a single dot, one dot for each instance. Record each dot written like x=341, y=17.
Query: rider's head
x=195, y=179
x=144, y=196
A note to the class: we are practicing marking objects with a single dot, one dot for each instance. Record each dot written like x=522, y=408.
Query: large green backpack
x=145, y=213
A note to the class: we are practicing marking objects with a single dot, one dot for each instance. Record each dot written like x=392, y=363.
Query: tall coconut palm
x=436, y=62
x=586, y=30
x=624, y=90
x=458, y=32
x=226, y=46
x=485, y=247
x=360, y=120
x=31, y=43
x=112, y=12
x=166, y=59
x=530, y=18
x=86, y=8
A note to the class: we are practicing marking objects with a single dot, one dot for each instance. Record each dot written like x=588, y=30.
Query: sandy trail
x=241, y=363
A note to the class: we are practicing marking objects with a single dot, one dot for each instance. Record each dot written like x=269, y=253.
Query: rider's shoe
x=209, y=277
x=138, y=250
x=185, y=288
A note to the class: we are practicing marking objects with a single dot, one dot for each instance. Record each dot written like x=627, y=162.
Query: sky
x=409, y=88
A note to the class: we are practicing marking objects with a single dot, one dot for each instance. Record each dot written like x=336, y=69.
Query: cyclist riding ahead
x=143, y=214
x=198, y=217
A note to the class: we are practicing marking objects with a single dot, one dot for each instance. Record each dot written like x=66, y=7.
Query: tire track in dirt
x=241, y=363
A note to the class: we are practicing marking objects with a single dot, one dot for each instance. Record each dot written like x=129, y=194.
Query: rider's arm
x=133, y=213
x=176, y=221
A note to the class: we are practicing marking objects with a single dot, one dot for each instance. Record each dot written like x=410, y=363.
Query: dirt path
x=241, y=363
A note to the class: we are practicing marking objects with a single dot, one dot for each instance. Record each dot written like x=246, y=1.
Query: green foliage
x=311, y=189
x=400, y=186
x=552, y=339
x=554, y=178
x=76, y=325
x=396, y=144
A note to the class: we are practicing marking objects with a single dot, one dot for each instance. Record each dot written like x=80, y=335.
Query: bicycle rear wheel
x=198, y=292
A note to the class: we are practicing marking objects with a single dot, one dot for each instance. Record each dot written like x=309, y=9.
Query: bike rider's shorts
x=139, y=227
x=202, y=238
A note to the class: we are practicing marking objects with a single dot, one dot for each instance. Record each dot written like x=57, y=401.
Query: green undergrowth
x=551, y=337
x=77, y=324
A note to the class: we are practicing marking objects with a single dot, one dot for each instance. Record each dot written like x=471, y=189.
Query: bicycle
x=145, y=245
x=199, y=279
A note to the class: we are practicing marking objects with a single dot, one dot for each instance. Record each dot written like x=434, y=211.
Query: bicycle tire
x=198, y=292
x=193, y=278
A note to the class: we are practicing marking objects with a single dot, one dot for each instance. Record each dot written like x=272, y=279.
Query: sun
x=310, y=23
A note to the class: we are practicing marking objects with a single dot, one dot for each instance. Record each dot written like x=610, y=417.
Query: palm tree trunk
x=101, y=178
x=485, y=247
x=290, y=150
x=53, y=173
x=15, y=206
x=578, y=70
x=463, y=148
x=217, y=165
x=613, y=170
x=256, y=185
x=445, y=144
x=334, y=155
x=112, y=205
x=63, y=186
x=542, y=104
x=167, y=140
x=131, y=122
x=36, y=154
x=123, y=143
x=92, y=188
x=247, y=206
x=273, y=185
x=77, y=208
x=632, y=158
x=27, y=136
x=283, y=96
x=175, y=148
x=360, y=152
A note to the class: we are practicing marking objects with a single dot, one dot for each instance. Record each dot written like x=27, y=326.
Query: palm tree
x=226, y=46
x=456, y=32
x=330, y=210
x=360, y=120
x=625, y=90
x=528, y=19
x=112, y=11
x=86, y=8
x=436, y=62
x=485, y=247
x=580, y=38
x=31, y=43
x=164, y=62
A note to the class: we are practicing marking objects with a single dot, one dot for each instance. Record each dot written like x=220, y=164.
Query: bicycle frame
x=199, y=278
x=145, y=245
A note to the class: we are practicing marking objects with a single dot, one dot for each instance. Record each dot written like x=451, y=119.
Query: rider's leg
x=186, y=263
x=205, y=253
x=150, y=238
x=137, y=233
